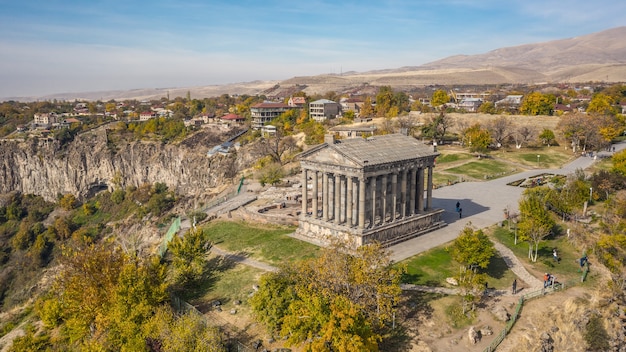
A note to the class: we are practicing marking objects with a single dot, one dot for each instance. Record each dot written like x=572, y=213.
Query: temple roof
x=376, y=150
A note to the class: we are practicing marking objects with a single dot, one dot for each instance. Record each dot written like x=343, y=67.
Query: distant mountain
x=594, y=57
x=603, y=48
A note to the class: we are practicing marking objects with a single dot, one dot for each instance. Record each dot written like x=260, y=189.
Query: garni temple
x=361, y=190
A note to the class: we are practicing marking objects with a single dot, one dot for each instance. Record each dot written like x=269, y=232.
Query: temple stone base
x=389, y=234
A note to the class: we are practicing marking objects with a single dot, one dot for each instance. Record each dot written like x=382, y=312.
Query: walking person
x=515, y=286
x=458, y=206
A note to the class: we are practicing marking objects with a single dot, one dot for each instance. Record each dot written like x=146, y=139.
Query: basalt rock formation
x=91, y=163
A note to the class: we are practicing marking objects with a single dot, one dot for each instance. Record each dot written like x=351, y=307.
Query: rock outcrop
x=89, y=164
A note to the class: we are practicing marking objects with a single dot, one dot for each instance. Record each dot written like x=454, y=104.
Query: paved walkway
x=483, y=205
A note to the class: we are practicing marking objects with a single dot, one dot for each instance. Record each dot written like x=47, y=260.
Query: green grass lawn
x=566, y=270
x=263, y=242
x=227, y=284
x=432, y=267
x=549, y=157
x=452, y=157
x=481, y=168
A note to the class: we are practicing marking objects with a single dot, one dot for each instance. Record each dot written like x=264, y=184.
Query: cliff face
x=88, y=164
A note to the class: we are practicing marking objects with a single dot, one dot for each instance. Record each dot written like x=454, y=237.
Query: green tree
x=601, y=104
x=168, y=331
x=547, y=136
x=472, y=248
x=367, y=110
x=619, y=162
x=437, y=126
x=536, y=103
x=384, y=100
x=477, y=138
x=271, y=302
x=439, y=98
x=344, y=298
x=140, y=288
x=68, y=202
x=487, y=108
x=535, y=223
x=189, y=256
x=271, y=174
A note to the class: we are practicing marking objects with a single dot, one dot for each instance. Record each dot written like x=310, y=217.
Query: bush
x=596, y=336
x=117, y=196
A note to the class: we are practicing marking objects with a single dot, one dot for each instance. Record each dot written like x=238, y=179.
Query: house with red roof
x=296, y=102
x=233, y=118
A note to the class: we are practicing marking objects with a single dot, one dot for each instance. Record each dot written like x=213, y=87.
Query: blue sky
x=56, y=46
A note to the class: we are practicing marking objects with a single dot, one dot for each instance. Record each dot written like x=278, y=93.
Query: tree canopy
x=339, y=301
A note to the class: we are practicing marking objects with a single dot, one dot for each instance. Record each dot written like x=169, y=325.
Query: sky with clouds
x=57, y=46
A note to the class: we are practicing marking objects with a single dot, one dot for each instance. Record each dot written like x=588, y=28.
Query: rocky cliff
x=89, y=164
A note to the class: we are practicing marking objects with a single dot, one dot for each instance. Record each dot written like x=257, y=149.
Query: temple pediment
x=329, y=155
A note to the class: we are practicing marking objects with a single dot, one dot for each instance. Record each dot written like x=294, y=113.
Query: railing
x=182, y=306
x=500, y=337
x=168, y=237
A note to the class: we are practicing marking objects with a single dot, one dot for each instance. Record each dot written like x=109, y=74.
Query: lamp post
x=538, y=160
x=590, y=193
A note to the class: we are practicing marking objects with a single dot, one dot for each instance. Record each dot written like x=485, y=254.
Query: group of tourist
x=548, y=280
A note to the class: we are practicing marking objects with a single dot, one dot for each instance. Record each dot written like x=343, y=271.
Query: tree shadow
x=215, y=265
x=497, y=267
x=413, y=308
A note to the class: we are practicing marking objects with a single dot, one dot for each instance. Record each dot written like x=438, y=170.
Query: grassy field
x=432, y=267
x=266, y=243
x=566, y=270
x=482, y=169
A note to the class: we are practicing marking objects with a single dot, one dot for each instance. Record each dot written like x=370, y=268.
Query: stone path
x=516, y=267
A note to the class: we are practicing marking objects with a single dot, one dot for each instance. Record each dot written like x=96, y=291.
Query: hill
x=596, y=57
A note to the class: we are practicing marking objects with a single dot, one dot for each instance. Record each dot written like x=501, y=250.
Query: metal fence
x=233, y=344
x=509, y=325
x=173, y=230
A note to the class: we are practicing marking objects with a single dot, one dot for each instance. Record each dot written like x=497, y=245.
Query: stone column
x=373, y=182
x=394, y=195
x=337, y=204
x=349, y=200
x=429, y=189
x=412, y=192
x=403, y=194
x=325, y=196
x=305, y=192
x=420, y=190
x=315, y=195
x=361, y=204
x=384, y=196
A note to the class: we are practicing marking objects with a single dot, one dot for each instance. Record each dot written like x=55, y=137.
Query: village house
x=470, y=104
x=265, y=112
x=44, y=120
x=232, y=119
x=352, y=104
x=353, y=130
x=511, y=102
x=147, y=115
x=296, y=102
x=324, y=109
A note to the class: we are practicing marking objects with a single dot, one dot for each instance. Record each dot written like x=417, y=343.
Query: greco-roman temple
x=362, y=190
